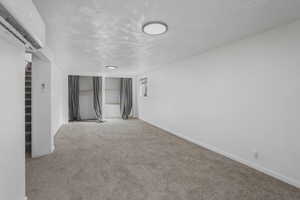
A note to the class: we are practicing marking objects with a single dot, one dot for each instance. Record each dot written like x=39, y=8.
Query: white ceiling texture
x=86, y=35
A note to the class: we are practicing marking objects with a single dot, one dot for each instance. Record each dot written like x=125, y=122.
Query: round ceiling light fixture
x=111, y=67
x=155, y=28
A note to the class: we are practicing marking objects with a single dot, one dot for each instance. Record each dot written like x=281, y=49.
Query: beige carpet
x=131, y=160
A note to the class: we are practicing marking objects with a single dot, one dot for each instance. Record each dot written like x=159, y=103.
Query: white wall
x=57, y=92
x=12, y=143
x=48, y=107
x=58, y=107
x=111, y=111
x=236, y=100
x=42, y=138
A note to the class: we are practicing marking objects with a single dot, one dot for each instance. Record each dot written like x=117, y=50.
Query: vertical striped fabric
x=126, y=97
x=74, y=114
x=97, y=97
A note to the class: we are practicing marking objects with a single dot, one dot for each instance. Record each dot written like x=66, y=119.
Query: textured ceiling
x=86, y=35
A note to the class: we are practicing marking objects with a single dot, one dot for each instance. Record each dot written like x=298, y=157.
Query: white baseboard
x=264, y=170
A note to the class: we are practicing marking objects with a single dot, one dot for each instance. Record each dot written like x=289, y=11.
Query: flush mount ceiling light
x=111, y=67
x=155, y=28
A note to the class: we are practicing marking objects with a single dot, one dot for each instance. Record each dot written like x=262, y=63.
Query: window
x=112, y=90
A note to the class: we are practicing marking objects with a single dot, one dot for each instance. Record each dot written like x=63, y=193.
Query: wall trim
x=250, y=164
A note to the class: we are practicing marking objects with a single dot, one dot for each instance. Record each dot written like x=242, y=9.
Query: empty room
x=148, y=99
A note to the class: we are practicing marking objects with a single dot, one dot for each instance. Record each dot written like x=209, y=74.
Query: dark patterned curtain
x=97, y=100
x=74, y=113
x=126, y=97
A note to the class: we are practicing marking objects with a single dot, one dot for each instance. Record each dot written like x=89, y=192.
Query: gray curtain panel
x=126, y=97
x=97, y=94
x=74, y=113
